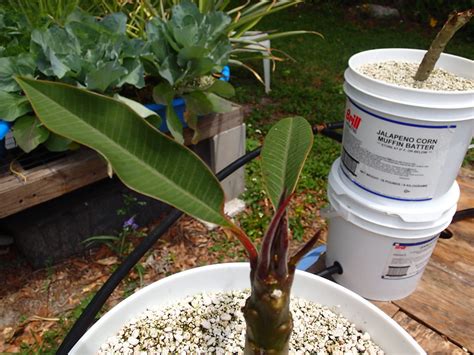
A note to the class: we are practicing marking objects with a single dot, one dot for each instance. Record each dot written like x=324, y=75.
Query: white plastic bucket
x=391, y=337
x=383, y=250
x=402, y=143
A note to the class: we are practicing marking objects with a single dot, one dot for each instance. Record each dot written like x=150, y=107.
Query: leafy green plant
x=121, y=244
x=178, y=49
x=150, y=163
x=186, y=50
x=14, y=36
x=243, y=18
x=95, y=54
x=138, y=12
x=180, y=54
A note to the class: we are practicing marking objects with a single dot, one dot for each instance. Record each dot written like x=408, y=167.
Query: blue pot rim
x=179, y=101
x=4, y=128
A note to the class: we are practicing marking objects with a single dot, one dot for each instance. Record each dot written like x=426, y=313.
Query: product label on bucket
x=408, y=259
x=392, y=158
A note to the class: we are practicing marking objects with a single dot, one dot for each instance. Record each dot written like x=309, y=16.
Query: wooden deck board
x=54, y=179
x=430, y=341
x=444, y=298
x=388, y=307
x=444, y=304
x=49, y=181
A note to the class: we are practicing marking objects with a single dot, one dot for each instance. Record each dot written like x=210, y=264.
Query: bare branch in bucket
x=455, y=21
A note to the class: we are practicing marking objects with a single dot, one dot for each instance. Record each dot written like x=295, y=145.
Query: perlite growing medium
x=212, y=323
x=402, y=73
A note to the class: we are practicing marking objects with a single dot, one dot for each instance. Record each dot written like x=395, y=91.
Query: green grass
x=311, y=86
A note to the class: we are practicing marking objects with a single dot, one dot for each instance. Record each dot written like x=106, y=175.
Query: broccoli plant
x=155, y=165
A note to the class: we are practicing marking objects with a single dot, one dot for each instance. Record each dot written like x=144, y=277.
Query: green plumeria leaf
x=13, y=106
x=150, y=116
x=284, y=152
x=143, y=158
x=29, y=133
x=139, y=109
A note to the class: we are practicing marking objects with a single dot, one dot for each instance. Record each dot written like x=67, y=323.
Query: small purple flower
x=130, y=224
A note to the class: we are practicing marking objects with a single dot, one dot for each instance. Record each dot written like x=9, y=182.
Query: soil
x=38, y=307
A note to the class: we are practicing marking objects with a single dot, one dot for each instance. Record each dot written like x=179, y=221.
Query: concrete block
x=226, y=147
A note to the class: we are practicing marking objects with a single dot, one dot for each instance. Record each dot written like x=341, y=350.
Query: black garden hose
x=463, y=214
x=94, y=306
x=335, y=268
x=328, y=130
x=458, y=216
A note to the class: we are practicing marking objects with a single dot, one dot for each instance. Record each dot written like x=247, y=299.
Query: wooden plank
x=211, y=125
x=79, y=169
x=455, y=255
x=430, y=341
x=48, y=181
x=444, y=298
x=388, y=307
x=444, y=304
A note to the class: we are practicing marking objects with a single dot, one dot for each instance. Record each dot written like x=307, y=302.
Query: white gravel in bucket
x=212, y=323
x=402, y=73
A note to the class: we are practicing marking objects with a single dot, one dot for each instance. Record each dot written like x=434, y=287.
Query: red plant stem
x=281, y=249
x=263, y=266
x=248, y=245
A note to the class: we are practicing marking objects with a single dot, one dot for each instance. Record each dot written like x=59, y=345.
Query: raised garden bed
x=65, y=201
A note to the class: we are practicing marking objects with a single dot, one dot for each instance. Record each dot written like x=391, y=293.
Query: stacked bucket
x=393, y=190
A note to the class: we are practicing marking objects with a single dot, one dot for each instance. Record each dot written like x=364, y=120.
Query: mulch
x=38, y=307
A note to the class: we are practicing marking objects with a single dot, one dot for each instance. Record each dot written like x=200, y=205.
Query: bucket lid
x=445, y=101
x=403, y=215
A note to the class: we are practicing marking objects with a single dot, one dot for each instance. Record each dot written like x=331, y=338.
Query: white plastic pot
x=235, y=276
x=402, y=143
x=383, y=248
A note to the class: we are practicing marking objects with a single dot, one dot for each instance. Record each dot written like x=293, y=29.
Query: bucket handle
x=458, y=216
x=328, y=212
x=334, y=210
